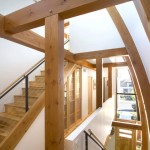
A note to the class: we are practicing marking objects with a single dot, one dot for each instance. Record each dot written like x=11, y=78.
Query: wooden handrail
x=21, y=76
x=10, y=142
x=97, y=139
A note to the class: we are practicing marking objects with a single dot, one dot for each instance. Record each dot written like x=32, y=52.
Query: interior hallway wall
x=85, y=73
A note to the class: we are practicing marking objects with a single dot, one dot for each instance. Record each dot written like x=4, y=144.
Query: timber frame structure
x=15, y=27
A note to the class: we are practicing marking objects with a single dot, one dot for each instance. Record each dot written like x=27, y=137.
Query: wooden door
x=105, y=88
x=89, y=95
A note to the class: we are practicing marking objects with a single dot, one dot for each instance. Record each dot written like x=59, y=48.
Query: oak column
x=99, y=97
x=54, y=83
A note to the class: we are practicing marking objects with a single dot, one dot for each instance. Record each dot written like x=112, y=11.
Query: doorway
x=90, y=95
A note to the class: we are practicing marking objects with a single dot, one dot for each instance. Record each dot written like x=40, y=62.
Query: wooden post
x=109, y=82
x=99, y=97
x=54, y=83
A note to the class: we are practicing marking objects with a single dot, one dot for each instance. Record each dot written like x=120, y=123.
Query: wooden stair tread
x=2, y=137
x=16, y=105
x=9, y=116
x=7, y=123
x=36, y=84
x=4, y=133
x=22, y=96
x=35, y=88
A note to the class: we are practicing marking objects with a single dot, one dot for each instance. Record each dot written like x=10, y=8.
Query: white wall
x=34, y=138
x=15, y=60
x=93, y=31
x=85, y=74
x=99, y=122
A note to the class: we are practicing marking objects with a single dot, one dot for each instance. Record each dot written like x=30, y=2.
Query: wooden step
x=2, y=137
x=43, y=72
x=9, y=116
x=40, y=78
x=21, y=99
x=4, y=132
x=37, y=84
x=35, y=92
x=15, y=109
x=7, y=123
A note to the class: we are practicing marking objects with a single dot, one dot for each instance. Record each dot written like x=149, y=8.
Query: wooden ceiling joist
x=143, y=9
x=101, y=53
x=26, y=38
x=134, y=57
x=37, y=42
x=32, y=16
x=115, y=64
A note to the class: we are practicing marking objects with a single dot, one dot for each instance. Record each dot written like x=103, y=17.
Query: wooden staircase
x=15, y=111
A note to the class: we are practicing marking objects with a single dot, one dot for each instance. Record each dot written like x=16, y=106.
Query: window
x=126, y=97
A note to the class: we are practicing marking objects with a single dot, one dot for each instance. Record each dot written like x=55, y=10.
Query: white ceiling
x=9, y=6
x=107, y=34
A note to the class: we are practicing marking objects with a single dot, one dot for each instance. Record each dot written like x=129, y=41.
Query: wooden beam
x=54, y=83
x=134, y=57
x=27, y=38
x=146, y=6
x=99, y=82
x=140, y=105
x=109, y=82
x=127, y=125
x=101, y=53
x=85, y=64
x=37, y=42
x=32, y=16
x=117, y=64
x=70, y=57
x=143, y=7
x=66, y=24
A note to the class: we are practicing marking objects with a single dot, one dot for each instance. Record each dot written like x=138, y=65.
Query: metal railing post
x=86, y=141
x=26, y=94
x=94, y=140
